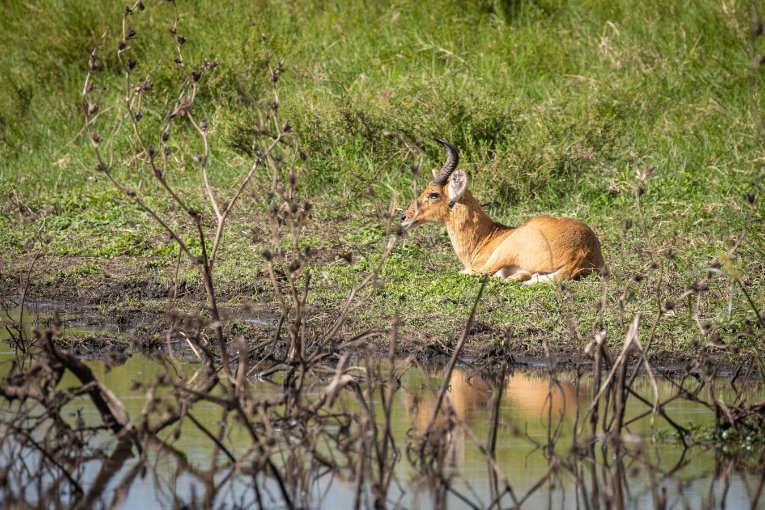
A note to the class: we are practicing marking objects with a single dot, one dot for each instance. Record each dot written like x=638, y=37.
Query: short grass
x=554, y=104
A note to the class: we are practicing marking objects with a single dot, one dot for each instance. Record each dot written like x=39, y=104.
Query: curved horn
x=452, y=158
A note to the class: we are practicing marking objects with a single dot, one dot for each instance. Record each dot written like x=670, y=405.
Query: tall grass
x=538, y=95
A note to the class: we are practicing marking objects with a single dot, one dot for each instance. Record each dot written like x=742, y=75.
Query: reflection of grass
x=553, y=104
x=750, y=442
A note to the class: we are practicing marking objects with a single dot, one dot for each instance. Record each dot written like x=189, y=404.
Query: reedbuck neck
x=469, y=228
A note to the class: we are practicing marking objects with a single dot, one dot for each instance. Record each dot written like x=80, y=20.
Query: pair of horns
x=452, y=158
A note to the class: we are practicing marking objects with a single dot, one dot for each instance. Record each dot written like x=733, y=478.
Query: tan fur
x=529, y=396
x=544, y=248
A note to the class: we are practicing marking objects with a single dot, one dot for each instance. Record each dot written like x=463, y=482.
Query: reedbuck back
x=543, y=249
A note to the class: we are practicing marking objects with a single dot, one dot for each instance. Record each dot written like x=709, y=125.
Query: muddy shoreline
x=110, y=320
x=124, y=306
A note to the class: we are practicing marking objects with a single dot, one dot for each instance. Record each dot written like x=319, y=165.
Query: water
x=527, y=448
x=82, y=321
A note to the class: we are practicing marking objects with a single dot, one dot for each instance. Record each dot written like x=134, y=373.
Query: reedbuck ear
x=457, y=186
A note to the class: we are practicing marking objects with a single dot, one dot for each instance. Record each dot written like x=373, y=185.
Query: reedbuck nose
x=403, y=218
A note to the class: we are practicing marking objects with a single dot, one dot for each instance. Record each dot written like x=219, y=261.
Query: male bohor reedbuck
x=543, y=249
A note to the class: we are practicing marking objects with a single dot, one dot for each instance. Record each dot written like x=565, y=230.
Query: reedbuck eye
x=434, y=196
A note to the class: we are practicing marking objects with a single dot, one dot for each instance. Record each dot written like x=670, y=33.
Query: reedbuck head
x=439, y=197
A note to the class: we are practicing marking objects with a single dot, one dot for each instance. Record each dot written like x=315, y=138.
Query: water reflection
x=526, y=398
x=529, y=395
x=184, y=467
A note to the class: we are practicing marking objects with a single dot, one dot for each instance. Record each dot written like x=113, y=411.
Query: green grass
x=554, y=105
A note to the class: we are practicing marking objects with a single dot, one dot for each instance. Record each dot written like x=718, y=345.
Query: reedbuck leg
x=521, y=276
x=513, y=273
x=572, y=270
x=544, y=278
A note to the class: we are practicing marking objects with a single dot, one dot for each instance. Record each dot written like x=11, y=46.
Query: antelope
x=542, y=249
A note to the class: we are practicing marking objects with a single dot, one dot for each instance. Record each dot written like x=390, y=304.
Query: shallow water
x=531, y=409
x=523, y=421
x=81, y=321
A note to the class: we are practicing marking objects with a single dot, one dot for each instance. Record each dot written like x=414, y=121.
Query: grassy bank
x=554, y=105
